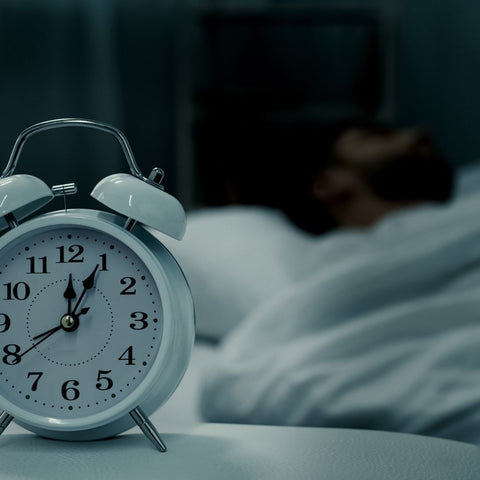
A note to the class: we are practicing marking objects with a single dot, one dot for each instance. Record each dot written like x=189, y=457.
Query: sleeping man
x=381, y=330
x=373, y=171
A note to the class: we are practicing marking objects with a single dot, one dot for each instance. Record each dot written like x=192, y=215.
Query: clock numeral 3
x=70, y=393
x=5, y=323
x=140, y=321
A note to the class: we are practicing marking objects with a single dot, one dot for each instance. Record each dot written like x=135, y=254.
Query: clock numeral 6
x=5, y=323
x=107, y=382
x=70, y=393
x=19, y=291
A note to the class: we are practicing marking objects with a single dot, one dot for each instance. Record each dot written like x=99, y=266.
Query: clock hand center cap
x=69, y=322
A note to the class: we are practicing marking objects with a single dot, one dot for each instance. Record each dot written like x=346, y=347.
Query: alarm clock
x=96, y=317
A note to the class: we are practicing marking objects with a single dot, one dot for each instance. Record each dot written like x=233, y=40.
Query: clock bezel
x=178, y=333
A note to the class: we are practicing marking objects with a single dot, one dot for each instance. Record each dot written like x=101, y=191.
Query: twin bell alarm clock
x=96, y=317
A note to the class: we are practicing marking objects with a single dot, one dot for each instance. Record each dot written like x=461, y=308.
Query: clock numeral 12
x=75, y=250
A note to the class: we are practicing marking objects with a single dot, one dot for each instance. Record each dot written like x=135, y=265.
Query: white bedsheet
x=385, y=335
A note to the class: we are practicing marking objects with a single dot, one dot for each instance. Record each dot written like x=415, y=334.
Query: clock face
x=81, y=322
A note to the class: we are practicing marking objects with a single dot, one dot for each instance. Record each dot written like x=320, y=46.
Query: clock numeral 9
x=75, y=250
x=70, y=393
x=107, y=382
x=5, y=323
x=140, y=321
x=19, y=291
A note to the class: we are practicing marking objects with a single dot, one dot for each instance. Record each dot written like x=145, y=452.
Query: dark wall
x=110, y=61
x=439, y=72
x=117, y=60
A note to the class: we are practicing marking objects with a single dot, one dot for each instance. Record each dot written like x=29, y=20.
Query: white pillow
x=468, y=179
x=233, y=259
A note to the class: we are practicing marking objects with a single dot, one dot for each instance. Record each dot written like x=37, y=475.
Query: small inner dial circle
x=93, y=334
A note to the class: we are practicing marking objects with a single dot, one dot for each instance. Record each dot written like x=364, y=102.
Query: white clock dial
x=81, y=322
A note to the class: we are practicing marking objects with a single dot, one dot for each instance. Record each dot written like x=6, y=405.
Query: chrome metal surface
x=11, y=220
x=71, y=122
x=148, y=429
x=5, y=420
x=65, y=189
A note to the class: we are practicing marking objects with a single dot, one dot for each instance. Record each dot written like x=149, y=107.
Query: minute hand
x=45, y=335
x=88, y=283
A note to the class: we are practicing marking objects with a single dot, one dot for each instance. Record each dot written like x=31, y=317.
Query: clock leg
x=5, y=420
x=147, y=428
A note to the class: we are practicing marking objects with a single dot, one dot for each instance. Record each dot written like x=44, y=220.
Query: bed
x=373, y=330
x=376, y=329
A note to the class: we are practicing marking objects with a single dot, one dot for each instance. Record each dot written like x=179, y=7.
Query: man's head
x=372, y=171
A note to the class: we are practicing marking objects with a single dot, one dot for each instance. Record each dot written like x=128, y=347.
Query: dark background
x=233, y=99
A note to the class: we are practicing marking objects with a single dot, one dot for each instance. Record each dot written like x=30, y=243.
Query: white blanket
x=384, y=335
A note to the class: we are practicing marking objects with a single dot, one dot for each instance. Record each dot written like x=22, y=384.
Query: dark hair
x=417, y=173
x=275, y=166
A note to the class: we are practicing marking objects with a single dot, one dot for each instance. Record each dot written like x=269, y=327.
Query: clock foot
x=147, y=428
x=5, y=420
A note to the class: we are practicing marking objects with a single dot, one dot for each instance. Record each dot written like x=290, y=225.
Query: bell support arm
x=72, y=122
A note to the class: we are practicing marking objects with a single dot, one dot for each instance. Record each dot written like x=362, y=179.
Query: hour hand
x=69, y=293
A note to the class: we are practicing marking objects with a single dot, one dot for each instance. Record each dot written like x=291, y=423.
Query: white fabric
x=384, y=335
x=468, y=179
x=242, y=452
x=234, y=258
